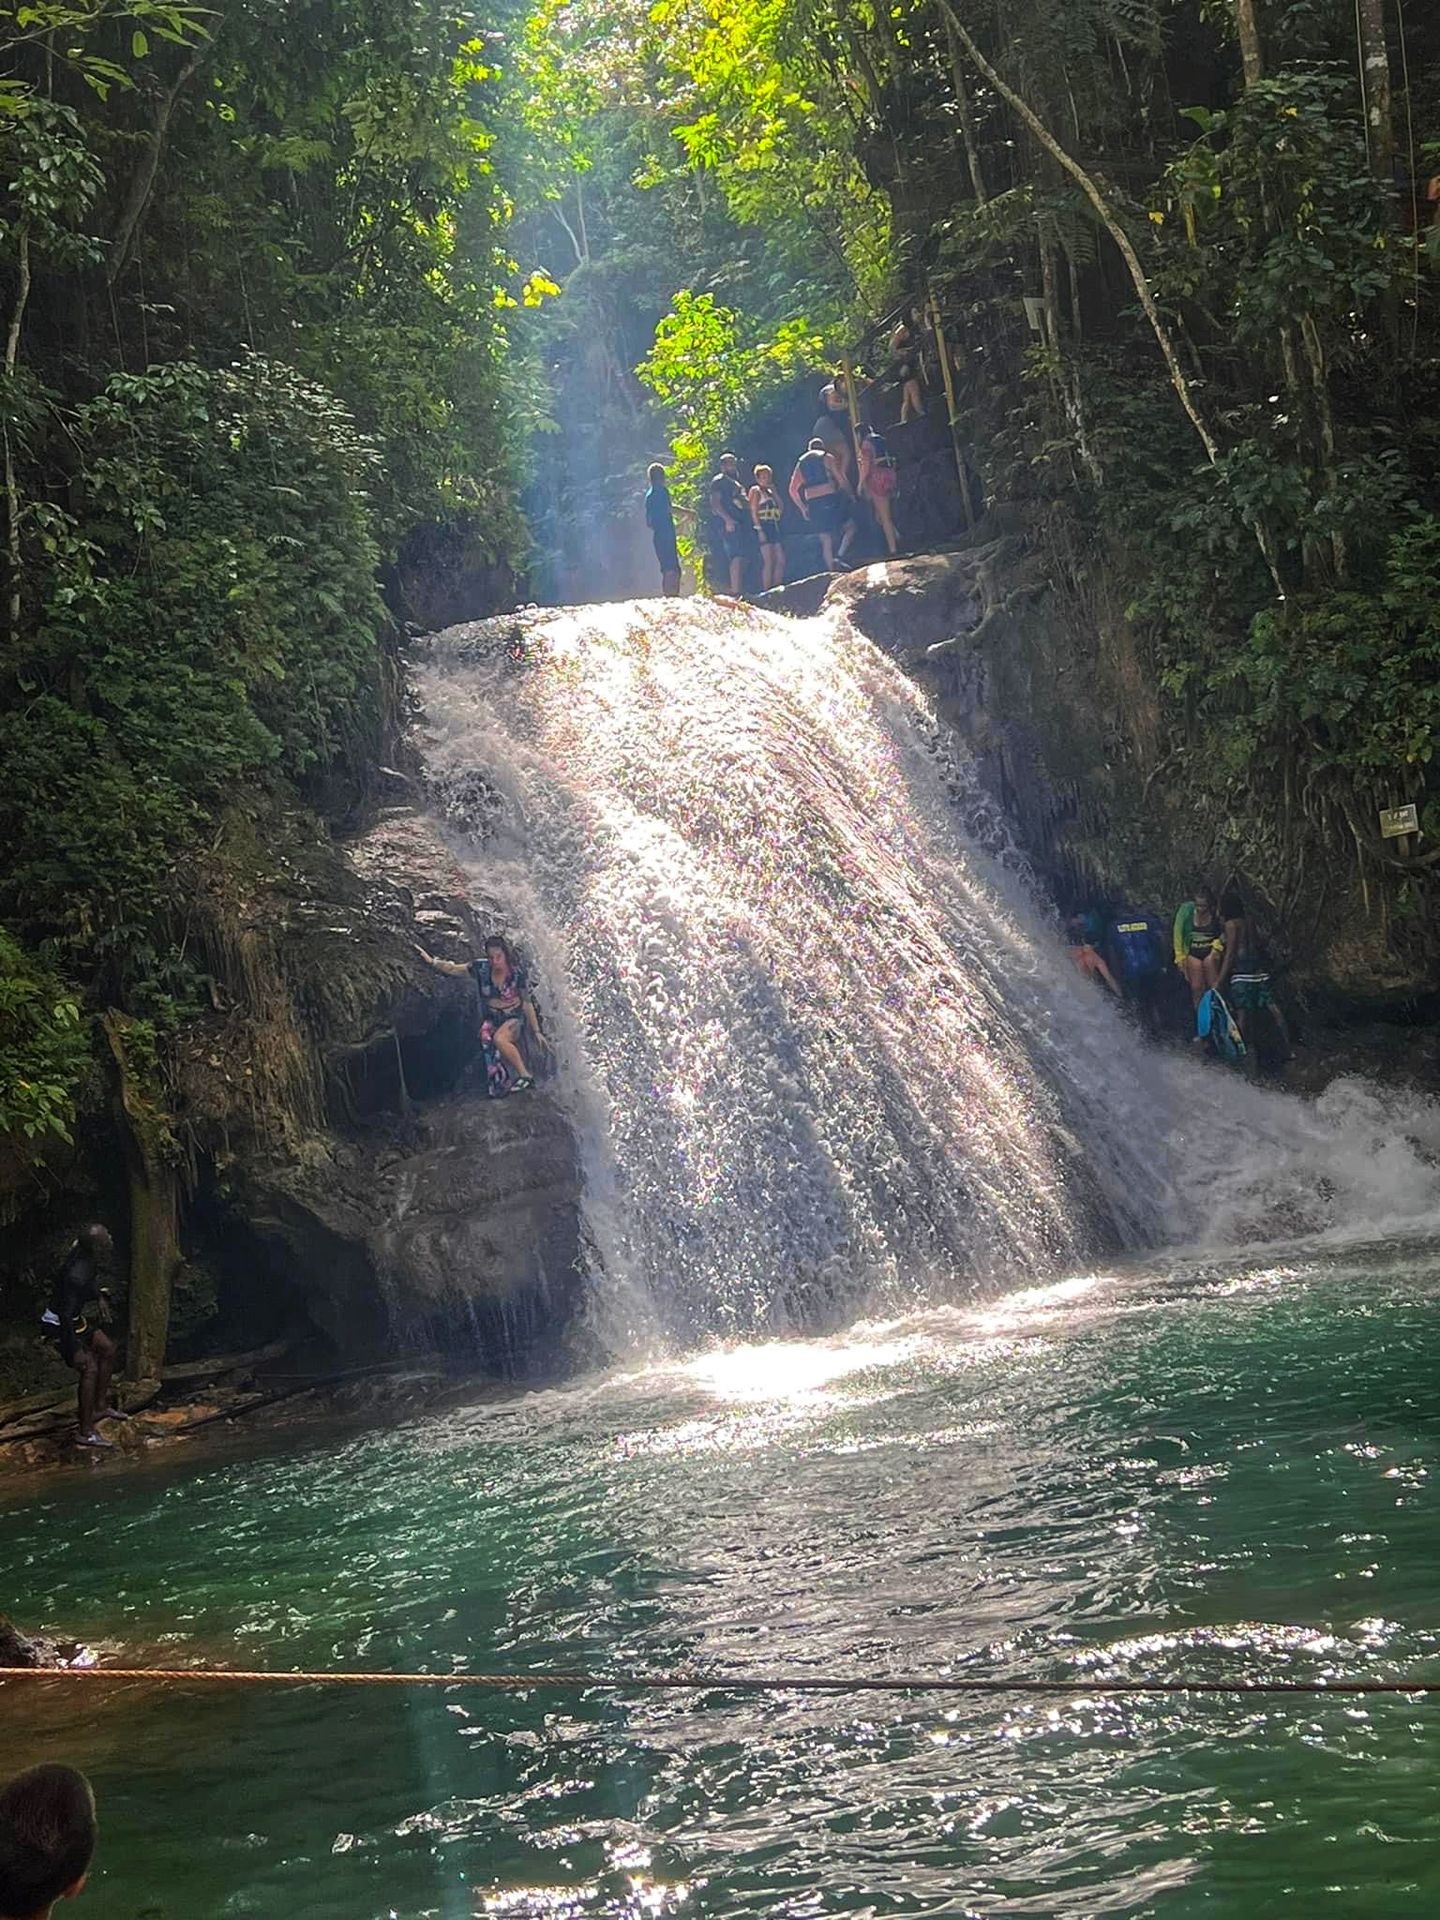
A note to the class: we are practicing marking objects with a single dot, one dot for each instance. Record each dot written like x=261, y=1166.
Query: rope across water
x=562, y=1681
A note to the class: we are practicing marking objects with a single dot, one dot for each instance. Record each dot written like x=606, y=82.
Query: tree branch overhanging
x=1114, y=226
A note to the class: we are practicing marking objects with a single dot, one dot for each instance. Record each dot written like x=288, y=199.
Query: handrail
x=689, y=1680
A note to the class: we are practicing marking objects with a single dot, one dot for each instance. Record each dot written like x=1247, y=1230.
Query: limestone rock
x=30, y=1649
x=906, y=606
x=363, y=1180
x=461, y=1237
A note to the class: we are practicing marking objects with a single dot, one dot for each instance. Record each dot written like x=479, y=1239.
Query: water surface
x=1204, y=1470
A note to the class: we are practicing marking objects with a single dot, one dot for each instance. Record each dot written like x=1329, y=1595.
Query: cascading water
x=821, y=1044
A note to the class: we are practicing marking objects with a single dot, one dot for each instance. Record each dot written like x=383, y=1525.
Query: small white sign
x=1395, y=821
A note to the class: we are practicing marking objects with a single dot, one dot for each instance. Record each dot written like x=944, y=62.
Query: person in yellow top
x=1199, y=943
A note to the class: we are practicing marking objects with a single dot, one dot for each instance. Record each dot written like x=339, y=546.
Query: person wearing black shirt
x=78, y=1305
x=660, y=518
x=730, y=504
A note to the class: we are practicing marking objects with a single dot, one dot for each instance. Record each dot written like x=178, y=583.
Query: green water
x=1197, y=1473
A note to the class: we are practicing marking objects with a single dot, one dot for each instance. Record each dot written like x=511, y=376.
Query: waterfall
x=821, y=1044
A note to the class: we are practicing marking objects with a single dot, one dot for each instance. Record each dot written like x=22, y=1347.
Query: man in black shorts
x=78, y=1305
x=731, y=505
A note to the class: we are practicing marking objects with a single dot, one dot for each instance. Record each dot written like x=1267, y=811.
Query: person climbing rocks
x=767, y=510
x=905, y=370
x=1245, y=978
x=509, y=1022
x=731, y=506
x=78, y=1311
x=1199, y=941
x=1138, y=954
x=832, y=427
x=818, y=488
x=660, y=513
x=48, y=1832
x=1087, y=957
x=878, y=481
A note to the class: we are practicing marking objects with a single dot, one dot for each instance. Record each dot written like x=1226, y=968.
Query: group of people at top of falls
x=1205, y=969
x=841, y=490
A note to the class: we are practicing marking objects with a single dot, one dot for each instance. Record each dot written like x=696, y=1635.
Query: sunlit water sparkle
x=823, y=1048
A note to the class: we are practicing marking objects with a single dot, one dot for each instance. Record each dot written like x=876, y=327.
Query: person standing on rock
x=508, y=1012
x=817, y=486
x=730, y=504
x=660, y=513
x=833, y=428
x=767, y=510
x=878, y=481
x=1199, y=936
x=78, y=1307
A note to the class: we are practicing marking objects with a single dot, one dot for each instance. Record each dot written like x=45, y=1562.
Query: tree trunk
x=154, y=1256
x=967, y=117
x=1110, y=220
x=1049, y=285
x=1077, y=325
x=154, y=1212
x=143, y=183
x=1379, y=104
x=1248, y=28
x=12, y=491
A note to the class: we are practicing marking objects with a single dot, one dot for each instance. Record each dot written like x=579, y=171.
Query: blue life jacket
x=1140, y=944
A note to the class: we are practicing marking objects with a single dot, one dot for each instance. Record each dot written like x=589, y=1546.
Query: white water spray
x=823, y=1047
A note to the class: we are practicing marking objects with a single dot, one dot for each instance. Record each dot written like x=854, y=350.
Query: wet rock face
x=404, y=1211
x=457, y=1233
x=906, y=606
x=30, y=1649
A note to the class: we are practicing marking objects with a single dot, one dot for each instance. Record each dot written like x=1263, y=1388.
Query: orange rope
x=556, y=1680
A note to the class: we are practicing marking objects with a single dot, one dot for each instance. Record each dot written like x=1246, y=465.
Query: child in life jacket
x=767, y=510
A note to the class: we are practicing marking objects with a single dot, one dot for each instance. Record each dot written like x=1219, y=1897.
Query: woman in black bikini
x=505, y=1004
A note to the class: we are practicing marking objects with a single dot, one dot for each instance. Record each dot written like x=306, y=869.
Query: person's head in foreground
x=655, y=475
x=47, y=1840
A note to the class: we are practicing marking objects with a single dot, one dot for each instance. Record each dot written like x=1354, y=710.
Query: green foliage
x=209, y=616
x=81, y=41
x=1356, y=675
x=769, y=117
x=1278, y=195
x=53, y=183
x=44, y=1049
x=254, y=274
x=705, y=373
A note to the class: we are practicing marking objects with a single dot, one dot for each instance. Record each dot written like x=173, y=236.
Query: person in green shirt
x=1199, y=943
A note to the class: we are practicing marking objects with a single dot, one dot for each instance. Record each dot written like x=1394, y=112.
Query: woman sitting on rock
x=506, y=1006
